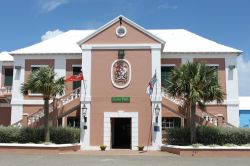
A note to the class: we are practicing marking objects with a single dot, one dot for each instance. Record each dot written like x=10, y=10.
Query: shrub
x=209, y=135
x=58, y=135
x=28, y=135
x=178, y=136
x=9, y=134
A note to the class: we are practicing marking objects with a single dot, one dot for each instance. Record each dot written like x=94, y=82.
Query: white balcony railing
x=5, y=90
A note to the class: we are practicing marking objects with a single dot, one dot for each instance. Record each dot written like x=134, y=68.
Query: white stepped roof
x=5, y=56
x=177, y=40
x=181, y=40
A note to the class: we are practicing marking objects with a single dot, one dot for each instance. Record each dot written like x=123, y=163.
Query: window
x=73, y=122
x=171, y=123
x=121, y=31
x=216, y=67
x=165, y=74
x=76, y=70
x=8, y=77
x=34, y=68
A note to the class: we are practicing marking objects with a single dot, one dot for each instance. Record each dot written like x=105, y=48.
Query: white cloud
x=50, y=5
x=167, y=6
x=244, y=76
x=51, y=34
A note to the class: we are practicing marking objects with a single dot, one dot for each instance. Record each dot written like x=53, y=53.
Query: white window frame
x=76, y=65
x=168, y=65
x=165, y=121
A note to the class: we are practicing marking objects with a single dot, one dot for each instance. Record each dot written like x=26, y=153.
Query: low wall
x=208, y=151
x=38, y=148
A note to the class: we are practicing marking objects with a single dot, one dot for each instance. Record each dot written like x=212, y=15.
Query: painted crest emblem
x=120, y=73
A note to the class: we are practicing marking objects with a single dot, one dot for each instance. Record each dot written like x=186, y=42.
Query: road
x=70, y=159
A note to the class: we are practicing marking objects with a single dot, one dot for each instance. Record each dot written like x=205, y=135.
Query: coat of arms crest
x=120, y=73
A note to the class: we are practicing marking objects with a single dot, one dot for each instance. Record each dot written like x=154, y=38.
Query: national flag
x=151, y=85
x=78, y=77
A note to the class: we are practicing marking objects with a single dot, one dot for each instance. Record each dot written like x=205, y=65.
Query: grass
x=197, y=145
x=213, y=145
x=229, y=145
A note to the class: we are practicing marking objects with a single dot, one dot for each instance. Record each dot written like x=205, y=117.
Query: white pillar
x=156, y=98
x=86, y=98
x=232, y=90
x=17, y=96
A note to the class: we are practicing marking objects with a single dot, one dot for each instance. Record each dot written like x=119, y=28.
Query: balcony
x=5, y=95
x=5, y=91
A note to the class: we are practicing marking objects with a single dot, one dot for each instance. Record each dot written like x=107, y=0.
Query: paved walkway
x=93, y=159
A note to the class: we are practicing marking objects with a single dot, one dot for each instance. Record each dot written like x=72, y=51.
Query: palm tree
x=44, y=81
x=195, y=84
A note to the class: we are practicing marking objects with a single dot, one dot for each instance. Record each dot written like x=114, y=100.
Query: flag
x=151, y=85
x=78, y=77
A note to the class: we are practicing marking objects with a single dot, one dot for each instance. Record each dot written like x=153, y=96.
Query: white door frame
x=121, y=114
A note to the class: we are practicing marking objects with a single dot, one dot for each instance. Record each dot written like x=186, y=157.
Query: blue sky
x=225, y=21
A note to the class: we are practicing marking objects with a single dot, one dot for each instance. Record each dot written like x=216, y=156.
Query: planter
x=103, y=147
x=141, y=147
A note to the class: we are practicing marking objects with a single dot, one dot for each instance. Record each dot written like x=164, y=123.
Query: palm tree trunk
x=46, y=120
x=193, y=126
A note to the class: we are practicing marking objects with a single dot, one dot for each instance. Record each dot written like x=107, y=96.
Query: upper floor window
x=34, y=68
x=8, y=77
x=165, y=74
x=216, y=68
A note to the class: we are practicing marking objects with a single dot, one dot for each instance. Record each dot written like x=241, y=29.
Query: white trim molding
x=121, y=114
x=76, y=65
x=121, y=46
x=168, y=65
x=39, y=65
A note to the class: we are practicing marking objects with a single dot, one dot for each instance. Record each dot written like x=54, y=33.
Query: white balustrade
x=5, y=90
x=206, y=116
x=61, y=102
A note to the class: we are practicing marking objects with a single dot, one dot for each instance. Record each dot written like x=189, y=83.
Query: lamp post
x=157, y=112
x=84, y=112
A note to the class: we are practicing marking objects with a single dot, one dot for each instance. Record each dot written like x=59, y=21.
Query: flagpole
x=150, y=132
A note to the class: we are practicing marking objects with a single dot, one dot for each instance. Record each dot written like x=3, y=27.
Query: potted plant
x=141, y=147
x=103, y=147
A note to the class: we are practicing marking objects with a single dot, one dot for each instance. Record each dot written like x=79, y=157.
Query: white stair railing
x=165, y=95
x=210, y=118
x=206, y=116
x=5, y=90
x=35, y=117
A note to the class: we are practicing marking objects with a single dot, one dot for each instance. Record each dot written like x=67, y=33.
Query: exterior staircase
x=177, y=106
x=57, y=109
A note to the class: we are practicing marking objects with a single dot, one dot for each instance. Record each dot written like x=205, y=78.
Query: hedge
x=209, y=135
x=58, y=135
